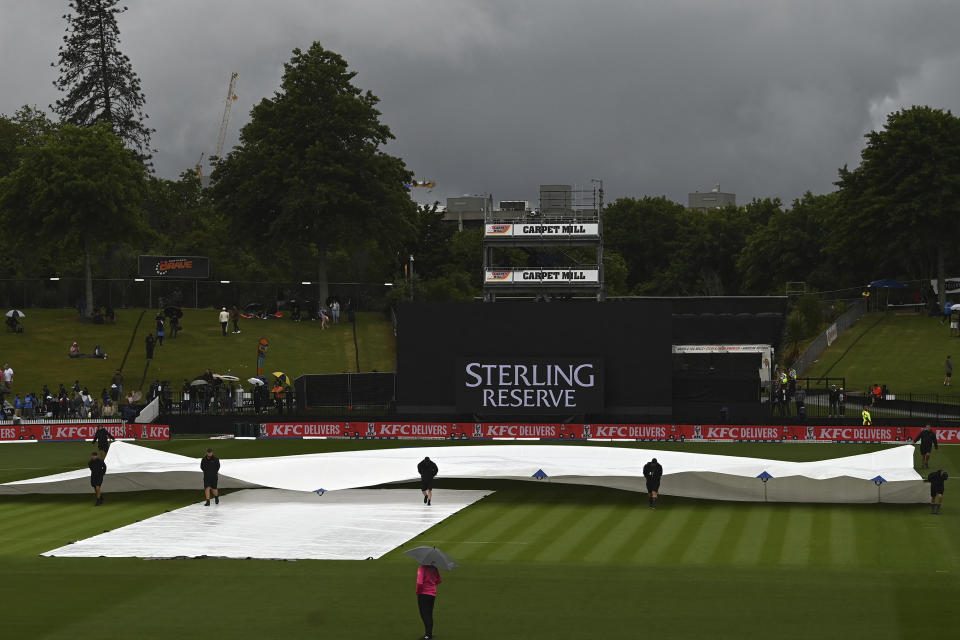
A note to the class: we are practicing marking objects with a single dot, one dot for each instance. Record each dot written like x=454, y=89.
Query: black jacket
x=427, y=468
x=937, y=480
x=652, y=471
x=101, y=436
x=927, y=438
x=97, y=467
x=210, y=466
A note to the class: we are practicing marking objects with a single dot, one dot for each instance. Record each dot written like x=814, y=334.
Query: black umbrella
x=432, y=556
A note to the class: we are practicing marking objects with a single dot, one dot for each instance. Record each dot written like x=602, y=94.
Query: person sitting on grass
x=74, y=350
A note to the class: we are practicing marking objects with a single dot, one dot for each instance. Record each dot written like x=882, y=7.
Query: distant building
x=508, y=207
x=711, y=199
x=469, y=211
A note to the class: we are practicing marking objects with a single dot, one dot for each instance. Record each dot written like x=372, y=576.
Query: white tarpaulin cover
x=272, y=523
x=697, y=475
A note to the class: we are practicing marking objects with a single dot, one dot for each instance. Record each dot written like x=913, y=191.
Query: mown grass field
x=539, y=560
x=39, y=355
x=904, y=351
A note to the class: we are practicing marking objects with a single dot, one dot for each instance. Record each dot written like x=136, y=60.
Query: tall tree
x=903, y=201
x=80, y=192
x=309, y=175
x=97, y=79
x=23, y=129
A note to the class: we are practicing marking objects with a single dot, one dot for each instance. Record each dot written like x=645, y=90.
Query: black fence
x=829, y=398
x=121, y=293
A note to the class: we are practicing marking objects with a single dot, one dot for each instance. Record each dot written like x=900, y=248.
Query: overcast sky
x=766, y=97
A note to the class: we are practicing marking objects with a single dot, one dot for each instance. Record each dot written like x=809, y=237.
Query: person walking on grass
x=428, y=577
x=224, y=319
x=948, y=371
x=928, y=440
x=428, y=471
x=652, y=472
x=98, y=469
x=101, y=437
x=150, y=343
x=936, y=479
x=210, y=464
x=235, y=317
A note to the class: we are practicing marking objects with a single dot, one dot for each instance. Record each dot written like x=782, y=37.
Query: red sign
x=576, y=431
x=303, y=429
x=61, y=432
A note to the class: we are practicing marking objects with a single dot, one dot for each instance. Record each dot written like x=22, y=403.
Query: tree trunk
x=323, y=287
x=941, y=278
x=88, y=276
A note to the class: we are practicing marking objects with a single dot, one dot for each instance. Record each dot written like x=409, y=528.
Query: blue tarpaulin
x=888, y=283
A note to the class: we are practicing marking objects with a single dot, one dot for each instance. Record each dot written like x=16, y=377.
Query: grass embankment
x=538, y=560
x=906, y=352
x=39, y=355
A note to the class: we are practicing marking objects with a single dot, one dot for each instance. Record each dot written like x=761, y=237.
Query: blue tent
x=888, y=283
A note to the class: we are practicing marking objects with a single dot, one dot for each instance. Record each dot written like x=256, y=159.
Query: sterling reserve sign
x=530, y=385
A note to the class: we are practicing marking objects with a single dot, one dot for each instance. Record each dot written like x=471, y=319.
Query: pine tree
x=98, y=81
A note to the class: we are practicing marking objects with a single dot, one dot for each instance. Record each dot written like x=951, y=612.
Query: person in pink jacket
x=428, y=577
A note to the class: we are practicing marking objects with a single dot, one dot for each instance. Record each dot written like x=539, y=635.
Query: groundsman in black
x=928, y=440
x=652, y=471
x=210, y=464
x=428, y=471
x=98, y=469
x=101, y=437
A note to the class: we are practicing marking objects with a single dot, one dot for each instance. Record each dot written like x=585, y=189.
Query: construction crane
x=231, y=97
x=199, y=167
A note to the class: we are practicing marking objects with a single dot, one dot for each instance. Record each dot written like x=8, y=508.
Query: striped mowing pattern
x=554, y=524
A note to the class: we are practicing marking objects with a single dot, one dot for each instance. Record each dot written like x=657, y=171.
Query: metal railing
x=816, y=348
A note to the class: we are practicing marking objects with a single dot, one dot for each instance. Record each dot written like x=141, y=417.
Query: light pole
x=411, y=278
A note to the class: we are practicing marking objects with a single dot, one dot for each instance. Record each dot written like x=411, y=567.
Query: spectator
x=110, y=315
x=74, y=350
x=185, y=397
x=150, y=343
x=98, y=352
x=842, y=403
x=116, y=387
x=235, y=317
x=7, y=376
x=948, y=369
x=278, y=397
x=17, y=406
x=800, y=398
x=29, y=402
x=335, y=310
x=161, y=329
x=834, y=400
x=224, y=319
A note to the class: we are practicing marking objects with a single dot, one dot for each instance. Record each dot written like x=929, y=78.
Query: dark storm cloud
x=768, y=97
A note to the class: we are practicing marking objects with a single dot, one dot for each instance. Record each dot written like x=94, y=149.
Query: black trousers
x=425, y=603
